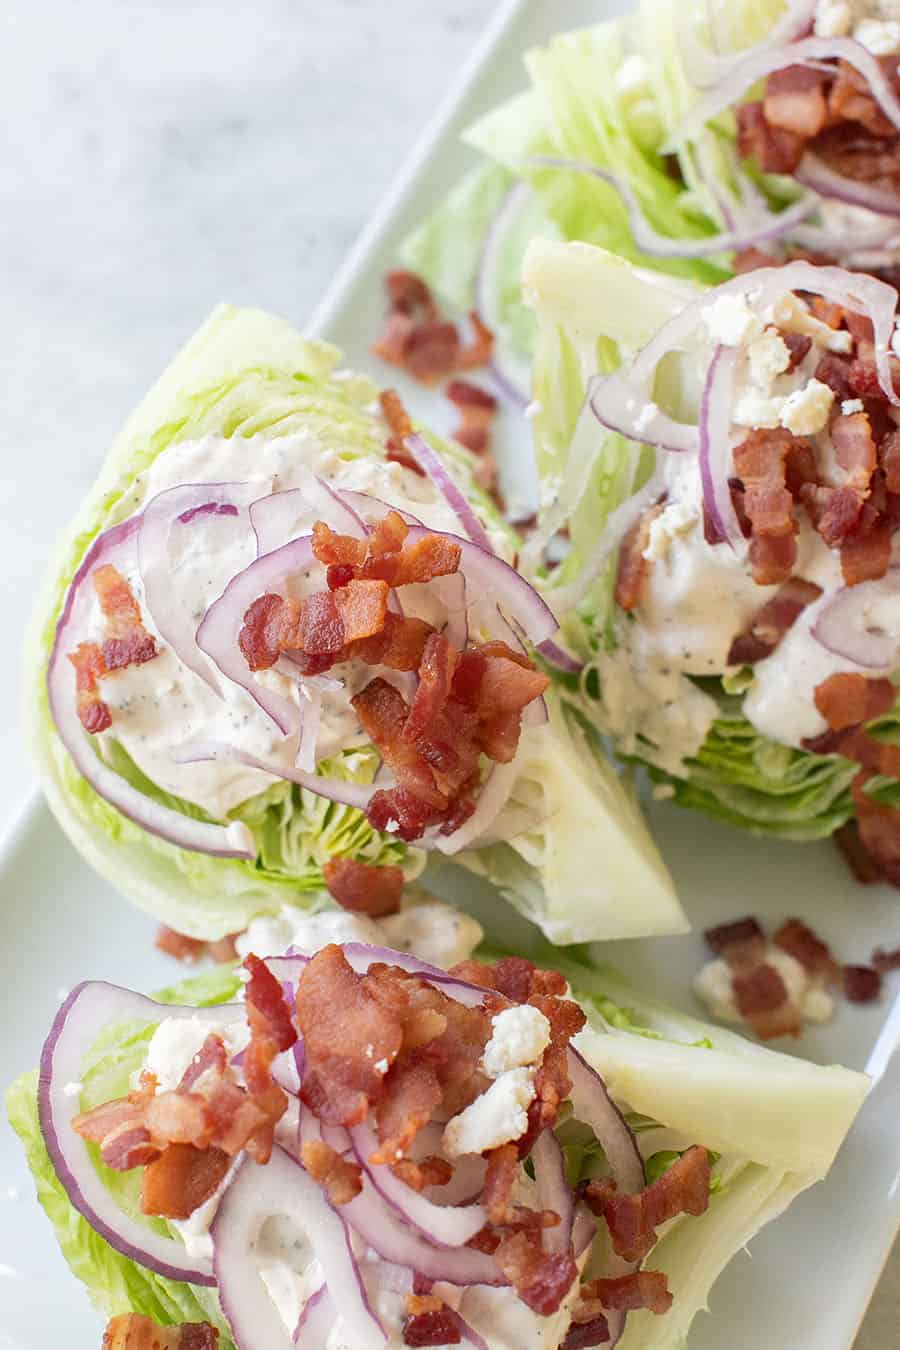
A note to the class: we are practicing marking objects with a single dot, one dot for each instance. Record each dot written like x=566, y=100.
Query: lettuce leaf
x=777, y=1122
x=244, y=374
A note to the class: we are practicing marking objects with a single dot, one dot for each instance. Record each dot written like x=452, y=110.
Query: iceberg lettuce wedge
x=250, y=378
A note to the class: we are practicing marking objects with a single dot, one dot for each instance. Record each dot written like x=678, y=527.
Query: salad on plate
x=284, y=640
x=349, y=1146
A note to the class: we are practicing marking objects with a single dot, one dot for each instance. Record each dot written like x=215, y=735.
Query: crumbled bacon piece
x=776, y=618
x=432, y=1326
x=191, y=950
x=633, y=1219
x=854, y=448
x=337, y=550
x=541, y=1280
x=439, y=659
x=499, y=1179
x=399, y=811
x=181, y=1179
x=762, y=999
x=401, y=428
x=847, y=698
x=800, y=942
x=133, y=1331
x=866, y=553
x=862, y=984
x=775, y=149
x=795, y=101
x=363, y=888
x=127, y=642
x=431, y=1171
x=382, y=713
x=585, y=1335
x=641, y=1289
x=340, y=1178
x=419, y=341
x=477, y=410
x=93, y=713
x=772, y=558
x=633, y=567
x=760, y=463
x=737, y=940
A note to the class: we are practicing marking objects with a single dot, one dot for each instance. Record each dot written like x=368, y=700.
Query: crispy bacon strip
x=641, y=1289
x=776, y=618
x=132, y=1331
x=181, y=1179
x=847, y=699
x=633, y=1219
x=340, y=1178
x=363, y=888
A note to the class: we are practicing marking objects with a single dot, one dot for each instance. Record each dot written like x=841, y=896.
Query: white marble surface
x=158, y=158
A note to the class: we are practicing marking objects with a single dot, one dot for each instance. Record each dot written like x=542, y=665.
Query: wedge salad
x=350, y=1147
x=285, y=630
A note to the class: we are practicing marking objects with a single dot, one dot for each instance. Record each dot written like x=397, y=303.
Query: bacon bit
x=584, y=1335
x=800, y=942
x=337, y=550
x=127, y=642
x=834, y=370
x=192, y=950
x=633, y=1219
x=795, y=101
x=133, y=1331
x=363, y=888
x=362, y=606
x=409, y=294
x=509, y=682
x=477, y=410
x=856, y=855
x=399, y=811
x=866, y=554
x=633, y=567
x=776, y=618
x=269, y=627
x=401, y=428
x=431, y=556
x=772, y=558
x=855, y=449
x=500, y=1177
x=798, y=346
x=340, y=1021
x=181, y=1180
x=400, y=645
x=439, y=660
x=93, y=713
x=775, y=149
x=739, y=935
x=846, y=699
x=422, y=1303
x=382, y=712
x=760, y=464
x=762, y=1000
x=889, y=453
x=879, y=830
x=341, y=1179
x=886, y=961
x=541, y=1281
x=833, y=511
x=431, y=1171
x=641, y=1289
x=435, y=1326
x=862, y=984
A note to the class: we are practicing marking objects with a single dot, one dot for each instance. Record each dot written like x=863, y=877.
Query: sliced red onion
x=361, y=956
x=657, y=245
x=558, y=656
x=118, y=545
x=512, y=375
x=584, y=1229
x=469, y=1335
x=429, y=459
x=253, y=1195
x=218, y=632
x=316, y=1321
x=765, y=61
x=705, y=66
x=592, y=1104
x=90, y=1009
x=283, y=516
x=716, y=464
x=492, y=797
x=366, y=506
x=357, y=795
x=814, y=173
x=846, y=627
x=181, y=506
x=442, y=1225
x=287, y=969
x=372, y=1219
x=553, y=1191
x=311, y=694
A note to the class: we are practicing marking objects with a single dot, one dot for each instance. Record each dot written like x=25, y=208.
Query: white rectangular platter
x=813, y=1272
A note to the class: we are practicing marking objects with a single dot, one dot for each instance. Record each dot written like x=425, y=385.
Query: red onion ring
x=814, y=173
x=592, y=1104
x=90, y=1009
x=558, y=656
x=219, y=629
x=554, y=1192
x=715, y=443
x=255, y=1194
x=429, y=460
x=584, y=1229
x=446, y=1226
x=223, y=841
x=357, y=795
x=762, y=62
x=657, y=245
x=274, y=518
x=841, y=623
x=705, y=67
x=181, y=506
x=316, y=1320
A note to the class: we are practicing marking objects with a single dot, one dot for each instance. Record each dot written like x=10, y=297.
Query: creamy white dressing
x=162, y=705
x=698, y=597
